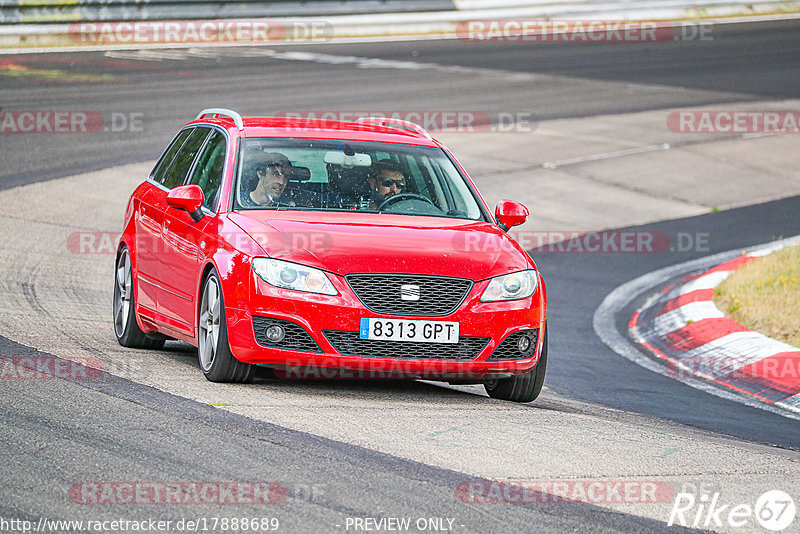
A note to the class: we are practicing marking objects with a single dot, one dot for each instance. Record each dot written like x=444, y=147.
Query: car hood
x=345, y=243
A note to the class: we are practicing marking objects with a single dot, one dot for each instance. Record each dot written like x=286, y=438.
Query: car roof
x=283, y=127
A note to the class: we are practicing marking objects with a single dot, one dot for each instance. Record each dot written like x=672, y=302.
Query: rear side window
x=208, y=170
x=163, y=164
x=176, y=174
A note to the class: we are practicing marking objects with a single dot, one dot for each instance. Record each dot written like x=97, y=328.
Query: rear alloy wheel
x=521, y=388
x=214, y=352
x=125, y=326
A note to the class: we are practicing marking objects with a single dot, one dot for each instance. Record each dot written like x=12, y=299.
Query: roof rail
x=237, y=119
x=390, y=123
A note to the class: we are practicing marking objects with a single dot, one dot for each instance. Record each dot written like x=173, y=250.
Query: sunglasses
x=387, y=182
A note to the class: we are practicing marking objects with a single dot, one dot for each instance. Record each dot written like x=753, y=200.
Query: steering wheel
x=404, y=196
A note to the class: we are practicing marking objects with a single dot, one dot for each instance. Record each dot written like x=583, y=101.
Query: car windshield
x=331, y=175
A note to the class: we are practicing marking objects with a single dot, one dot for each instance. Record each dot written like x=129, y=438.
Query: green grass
x=764, y=295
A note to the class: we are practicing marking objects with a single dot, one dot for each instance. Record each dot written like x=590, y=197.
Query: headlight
x=293, y=276
x=511, y=286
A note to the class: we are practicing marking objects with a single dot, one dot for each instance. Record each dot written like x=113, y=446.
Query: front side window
x=334, y=175
x=176, y=174
x=163, y=165
x=208, y=170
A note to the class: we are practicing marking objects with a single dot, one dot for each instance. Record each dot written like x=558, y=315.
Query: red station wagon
x=363, y=248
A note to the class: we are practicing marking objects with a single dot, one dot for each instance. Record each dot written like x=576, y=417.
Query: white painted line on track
x=361, y=62
x=606, y=155
x=604, y=323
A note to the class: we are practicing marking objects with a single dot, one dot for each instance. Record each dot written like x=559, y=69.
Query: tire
x=125, y=326
x=213, y=350
x=521, y=388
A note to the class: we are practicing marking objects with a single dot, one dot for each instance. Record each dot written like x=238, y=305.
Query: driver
x=268, y=175
x=385, y=181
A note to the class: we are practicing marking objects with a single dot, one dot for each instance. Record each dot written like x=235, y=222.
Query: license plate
x=409, y=330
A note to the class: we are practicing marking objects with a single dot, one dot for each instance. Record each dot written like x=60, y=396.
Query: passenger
x=385, y=181
x=268, y=175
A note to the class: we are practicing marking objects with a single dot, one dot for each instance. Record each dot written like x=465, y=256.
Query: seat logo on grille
x=409, y=292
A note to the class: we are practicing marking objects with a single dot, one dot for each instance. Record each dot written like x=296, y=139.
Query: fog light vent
x=516, y=346
x=282, y=334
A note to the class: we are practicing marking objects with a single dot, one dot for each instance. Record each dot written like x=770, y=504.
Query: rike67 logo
x=774, y=510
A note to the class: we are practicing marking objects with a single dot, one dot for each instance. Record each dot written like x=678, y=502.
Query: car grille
x=349, y=344
x=296, y=337
x=509, y=348
x=381, y=293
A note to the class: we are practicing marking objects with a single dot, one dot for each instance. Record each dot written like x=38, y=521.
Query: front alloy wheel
x=214, y=352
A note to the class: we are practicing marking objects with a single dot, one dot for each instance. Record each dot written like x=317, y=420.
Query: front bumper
x=327, y=323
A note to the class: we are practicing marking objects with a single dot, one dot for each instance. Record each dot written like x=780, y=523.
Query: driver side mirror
x=188, y=198
x=510, y=213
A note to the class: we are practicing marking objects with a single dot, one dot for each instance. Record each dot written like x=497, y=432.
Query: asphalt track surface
x=116, y=429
